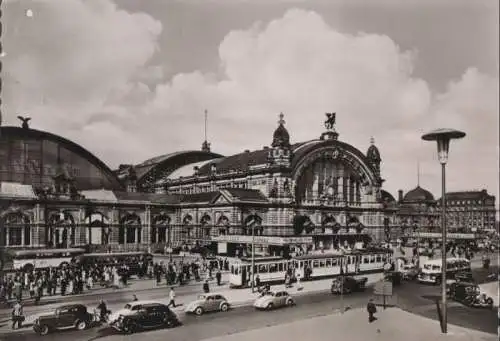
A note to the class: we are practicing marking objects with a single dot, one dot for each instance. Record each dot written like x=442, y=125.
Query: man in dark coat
x=218, y=276
x=206, y=288
x=371, y=308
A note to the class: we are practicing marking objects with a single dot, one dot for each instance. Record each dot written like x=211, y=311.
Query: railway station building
x=309, y=196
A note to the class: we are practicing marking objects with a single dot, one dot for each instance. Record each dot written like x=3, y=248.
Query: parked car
x=409, y=272
x=70, y=316
x=271, y=300
x=148, y=315
x=395, y=277
x=470, y=295
x=464, y=277
x=208, y=303
x=348, y=284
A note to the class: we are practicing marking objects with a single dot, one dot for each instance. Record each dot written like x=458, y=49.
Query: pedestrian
x=17, y=315
x=371, y=308
x=299, y=285
x=218, y=276
x=135, y=299
x=206, y=288
x=172, y=298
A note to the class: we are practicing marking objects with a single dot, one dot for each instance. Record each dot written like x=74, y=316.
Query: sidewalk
x=393, y=324
x=137, y=285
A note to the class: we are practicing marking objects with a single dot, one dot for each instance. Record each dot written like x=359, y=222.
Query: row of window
x=205, y=188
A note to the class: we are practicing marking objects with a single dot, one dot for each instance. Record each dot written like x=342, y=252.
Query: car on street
x=409, y=272
x=271, y=300
x=348, y=284
x=467, y=277
x=207, y=303
x=70, y=316
x=148, y=315
x=470, y=295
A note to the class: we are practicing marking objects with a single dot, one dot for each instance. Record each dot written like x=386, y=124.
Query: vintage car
x=271, y=300
x=470, y=295
x=467, y=277
x=348, y=284
x=207, y=303
x=145, y=315
x=409, y=272
x=395, y=277
x=70, y=316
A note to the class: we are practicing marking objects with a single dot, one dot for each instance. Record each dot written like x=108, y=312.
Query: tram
x=308, y=267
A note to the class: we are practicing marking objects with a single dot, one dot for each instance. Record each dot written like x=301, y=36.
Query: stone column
x=146, y=227
x=35, y=227
x=114, y=224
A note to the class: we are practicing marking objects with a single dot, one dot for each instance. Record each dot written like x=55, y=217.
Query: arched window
x=206, y=225
x=16, y=230
x=61, y=230
x=253, y=222
x=223, y=226
x=98, y=230
x=130, y=229
x=160, y=229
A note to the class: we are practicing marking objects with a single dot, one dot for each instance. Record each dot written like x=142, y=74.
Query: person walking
x=206, y=288
x=17, y=315
x=172, y=298
x=371, y=308
x=218, y=276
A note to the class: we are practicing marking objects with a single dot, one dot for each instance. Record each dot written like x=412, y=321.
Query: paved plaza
x=392, y=325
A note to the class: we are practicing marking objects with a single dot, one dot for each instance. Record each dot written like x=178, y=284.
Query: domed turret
x=281, y=137
x=373, y=153
x=418, y=194
x=373, y=156
x=280, y=154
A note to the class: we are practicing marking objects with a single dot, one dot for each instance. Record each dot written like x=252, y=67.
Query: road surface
x=412, y=297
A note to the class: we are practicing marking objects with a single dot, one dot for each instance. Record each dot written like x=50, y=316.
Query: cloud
x=98, y=88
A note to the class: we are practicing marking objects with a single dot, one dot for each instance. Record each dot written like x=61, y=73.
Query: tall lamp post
x=443, y=137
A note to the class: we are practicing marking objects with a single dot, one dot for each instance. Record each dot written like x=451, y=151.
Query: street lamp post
x=443, y=137
x=253, y=259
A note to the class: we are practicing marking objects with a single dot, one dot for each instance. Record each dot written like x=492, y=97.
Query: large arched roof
x=18, y=133
x=161, y=166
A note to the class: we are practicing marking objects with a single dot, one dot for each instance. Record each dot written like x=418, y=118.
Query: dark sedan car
x=149, y=316
x=70, y=316
x=470, y=295
x=348, y=284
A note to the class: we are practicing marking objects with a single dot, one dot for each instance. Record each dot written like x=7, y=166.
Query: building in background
x=470, y=211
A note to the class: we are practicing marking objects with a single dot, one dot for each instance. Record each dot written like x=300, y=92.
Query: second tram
x=308, y=267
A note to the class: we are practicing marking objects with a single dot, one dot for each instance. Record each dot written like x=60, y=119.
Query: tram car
x=272, y=270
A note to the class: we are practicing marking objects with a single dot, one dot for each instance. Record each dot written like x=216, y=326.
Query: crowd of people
x=36, y=283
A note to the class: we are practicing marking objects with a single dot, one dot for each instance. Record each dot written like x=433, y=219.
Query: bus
x=430, y=271
x=308, y=267
x=131, y=259
x=28, y=260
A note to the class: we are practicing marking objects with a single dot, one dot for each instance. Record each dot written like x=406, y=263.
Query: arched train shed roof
x=18, y=133
x=161, y=166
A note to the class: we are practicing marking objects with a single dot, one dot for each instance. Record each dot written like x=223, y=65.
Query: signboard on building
x=222, y=248
x=438, y=235
x=263, y=240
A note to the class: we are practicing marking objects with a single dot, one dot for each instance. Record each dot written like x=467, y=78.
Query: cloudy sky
x=130, y=79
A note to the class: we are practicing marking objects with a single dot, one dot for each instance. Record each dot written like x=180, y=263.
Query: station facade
x=289, y=197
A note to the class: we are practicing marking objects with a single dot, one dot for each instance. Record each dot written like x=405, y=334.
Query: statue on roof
x=330, y=121
x=25, y=121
